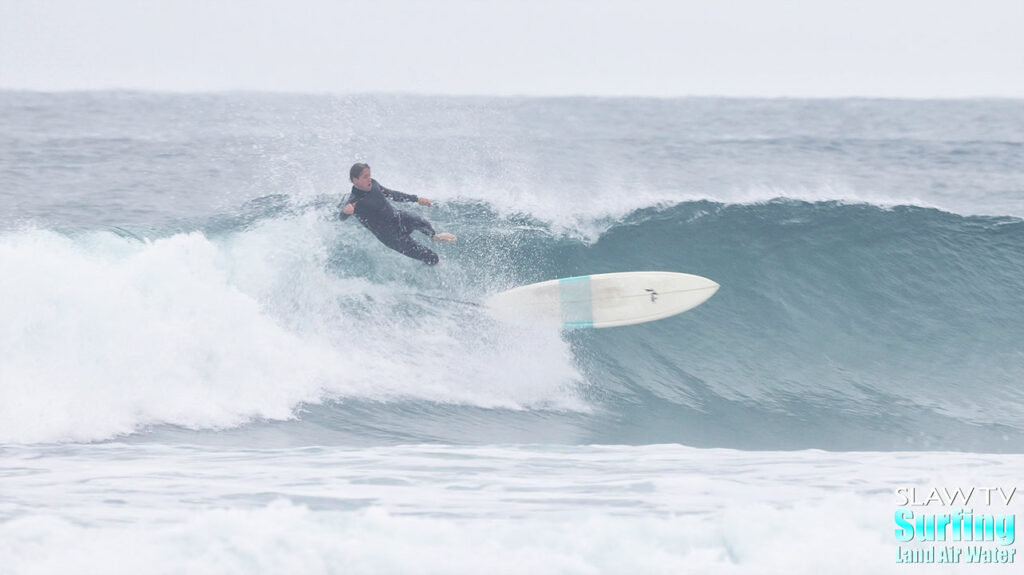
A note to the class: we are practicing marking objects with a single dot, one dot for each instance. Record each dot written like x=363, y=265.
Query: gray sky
x=890, y=48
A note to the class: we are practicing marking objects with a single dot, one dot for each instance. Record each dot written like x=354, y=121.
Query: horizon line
x=482, y=95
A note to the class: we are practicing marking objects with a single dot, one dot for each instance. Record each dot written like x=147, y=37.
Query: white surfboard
x=603, y=300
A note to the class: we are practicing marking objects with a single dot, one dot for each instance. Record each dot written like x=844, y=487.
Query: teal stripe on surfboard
x=577, y=308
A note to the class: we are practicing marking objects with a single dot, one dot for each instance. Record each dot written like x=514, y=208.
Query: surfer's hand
x=423, y=201
x=349, y=209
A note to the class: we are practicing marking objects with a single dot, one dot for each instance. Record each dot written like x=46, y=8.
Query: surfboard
x=603, y=300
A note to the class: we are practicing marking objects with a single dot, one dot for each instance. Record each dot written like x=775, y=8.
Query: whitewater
x=203, y=370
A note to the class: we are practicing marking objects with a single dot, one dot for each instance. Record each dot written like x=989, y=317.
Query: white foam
x=152, y=508
x=105, y=335
x=287, y=538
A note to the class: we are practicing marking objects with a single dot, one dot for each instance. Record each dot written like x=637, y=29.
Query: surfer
x=369, y=202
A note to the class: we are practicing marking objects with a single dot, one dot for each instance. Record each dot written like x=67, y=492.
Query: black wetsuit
x=392, y=227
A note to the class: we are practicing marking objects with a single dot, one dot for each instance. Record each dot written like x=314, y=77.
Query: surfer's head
x=359, y=173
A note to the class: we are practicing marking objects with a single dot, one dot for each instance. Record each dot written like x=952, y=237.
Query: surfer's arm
x=398, y=196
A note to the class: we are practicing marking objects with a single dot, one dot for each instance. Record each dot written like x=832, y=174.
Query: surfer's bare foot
x=445, y=237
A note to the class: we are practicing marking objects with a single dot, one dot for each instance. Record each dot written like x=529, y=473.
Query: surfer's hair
x=357, y=169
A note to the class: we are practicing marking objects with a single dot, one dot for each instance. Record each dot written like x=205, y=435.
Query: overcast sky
x=889, y=48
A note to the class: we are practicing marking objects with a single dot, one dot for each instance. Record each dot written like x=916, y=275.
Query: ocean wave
x=875, y=328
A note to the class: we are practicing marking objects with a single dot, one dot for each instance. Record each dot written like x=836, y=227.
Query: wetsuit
x=392, y=227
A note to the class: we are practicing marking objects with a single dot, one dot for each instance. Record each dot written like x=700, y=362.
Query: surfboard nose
x=709, y=290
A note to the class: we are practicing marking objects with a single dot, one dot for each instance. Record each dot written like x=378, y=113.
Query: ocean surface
x=203, y=370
